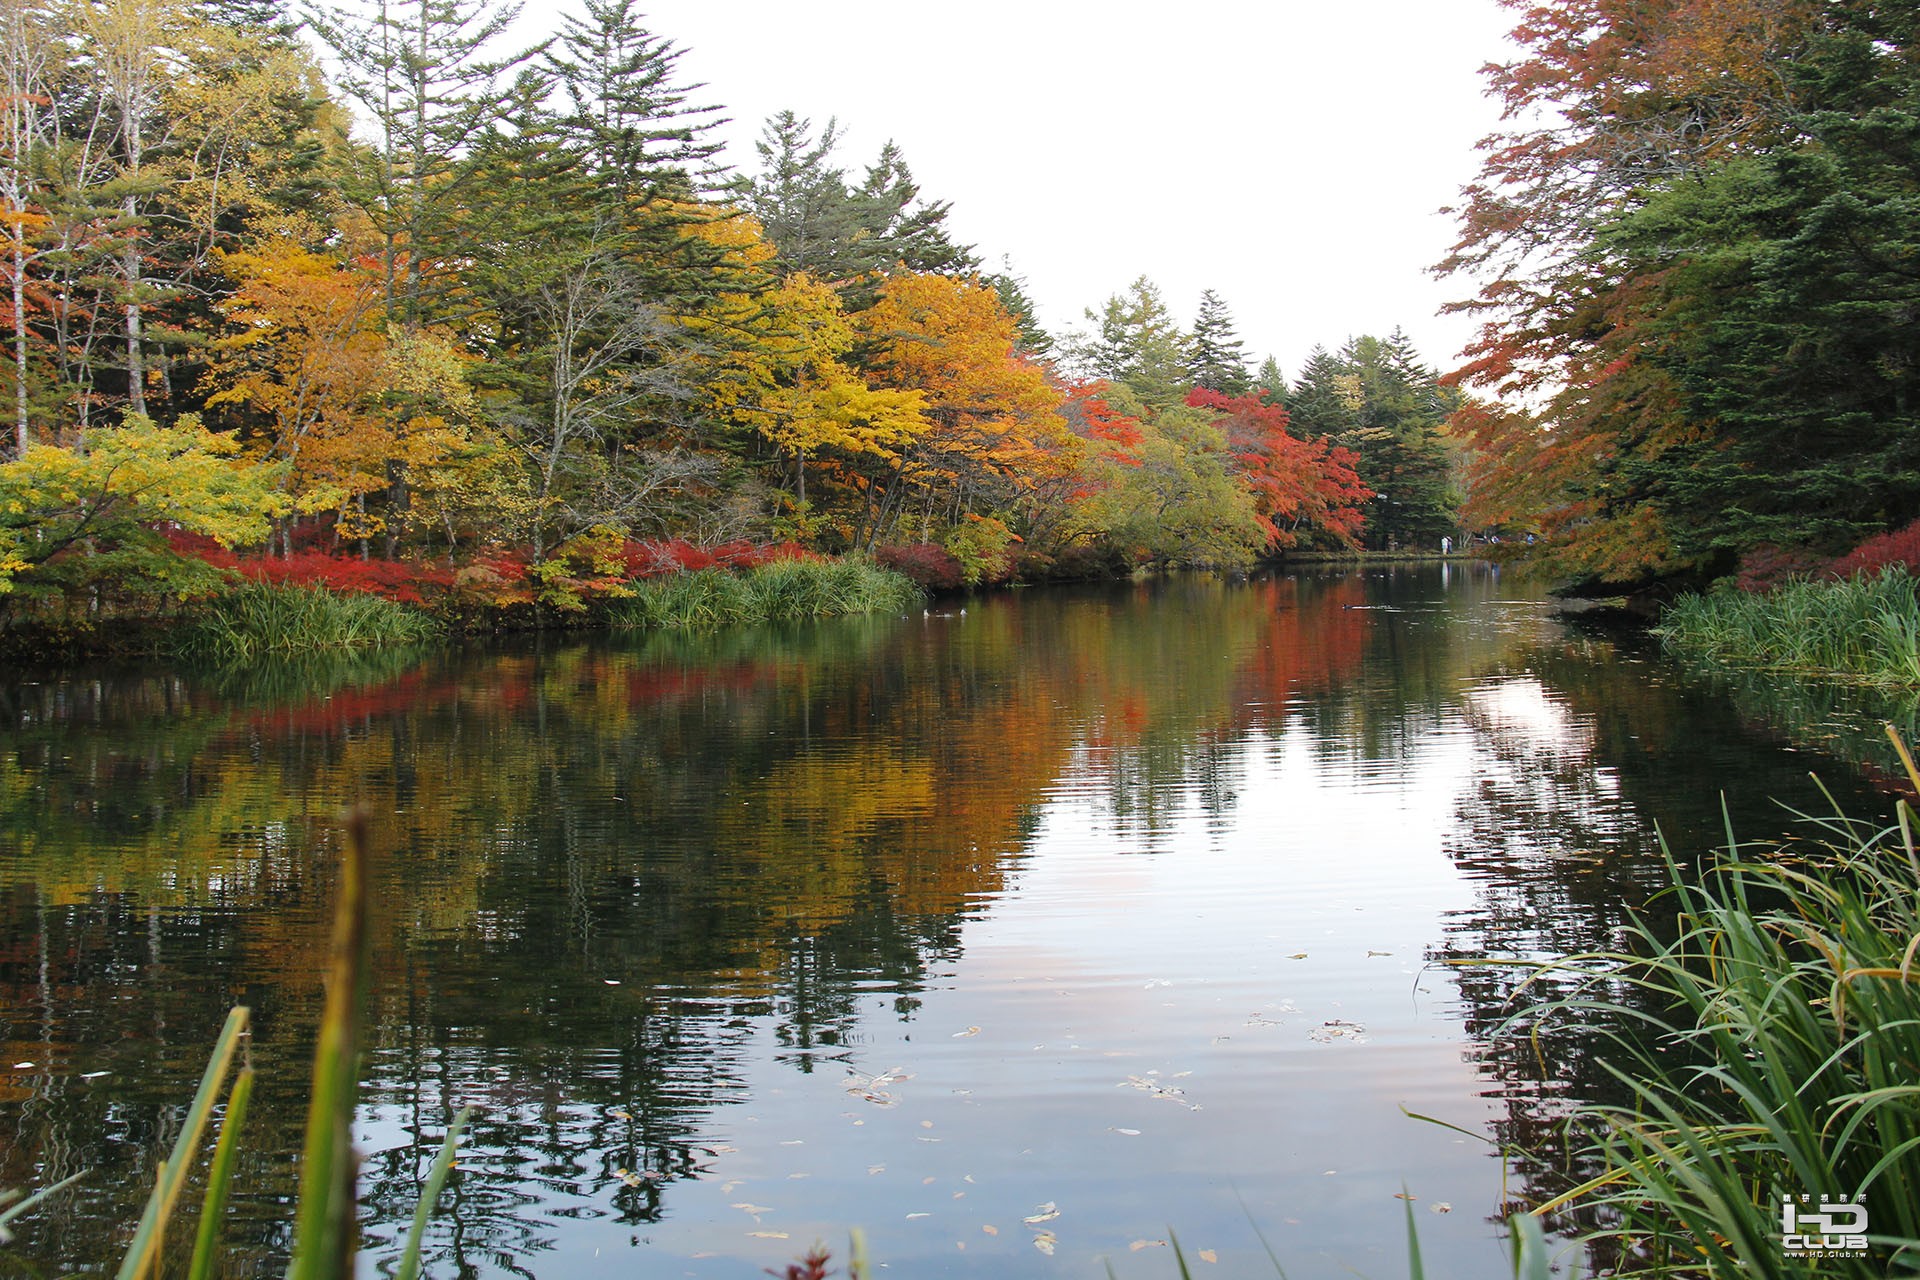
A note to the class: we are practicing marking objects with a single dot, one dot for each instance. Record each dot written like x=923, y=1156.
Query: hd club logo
x=1827, y=1229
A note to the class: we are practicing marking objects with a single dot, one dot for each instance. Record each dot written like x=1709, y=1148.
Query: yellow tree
x=773, y=365
x=994, y=426
x=302, y=362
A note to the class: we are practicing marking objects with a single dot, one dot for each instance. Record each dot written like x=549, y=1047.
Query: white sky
x=1289, y=154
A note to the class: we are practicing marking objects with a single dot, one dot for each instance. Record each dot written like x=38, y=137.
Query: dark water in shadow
x=1130, y=901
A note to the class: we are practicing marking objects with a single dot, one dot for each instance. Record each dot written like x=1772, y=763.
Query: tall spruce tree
x=420, y=71
x=1216, y=358
x=625, y=107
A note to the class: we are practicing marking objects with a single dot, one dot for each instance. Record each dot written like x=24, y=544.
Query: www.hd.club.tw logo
x=1826, y=1228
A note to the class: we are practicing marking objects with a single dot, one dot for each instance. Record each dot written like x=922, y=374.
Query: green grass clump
x=1780, y=1035
x=779, y=591
x=1866, y=627
x=258, y=618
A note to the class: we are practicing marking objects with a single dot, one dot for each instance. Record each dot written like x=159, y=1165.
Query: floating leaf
x=990, y=1229
x=621, y=1115
x=970, y=1031
x=755, y=1209
x=1439, y=1206
x=926, y=1124
x=1379, y=953
x=1044, y=1213
x=1208, y=1255
x=1401, y=1195
x=912, y=1216
x=1044, y=1242
x=1298, y=955
x=876, y=1168
x=1138, y=1245
x=768, y=1235
x=1131, y=1133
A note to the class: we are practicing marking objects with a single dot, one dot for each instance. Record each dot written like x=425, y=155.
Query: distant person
x=1446, y=545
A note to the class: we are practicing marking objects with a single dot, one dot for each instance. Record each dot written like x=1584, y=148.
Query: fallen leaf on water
x=794, y=1142
x=912, y=1216
x=1044, y=1242
x=726, y=1187
x=926, y=1182
x=621, y=1115
x=1439, y=1206
x=94, y=1075
x=959, y=1195
x=1379, y=953
x=724, y=1150
x=1298, y=955
x=926, y=1124
x=768, y=1235
x=1044, y=1213
x=876, y=1168
x=755, y=1209
x=1328, y=1173
x=990, y=1229
x=970, y=1031
x=1401, y=1195
x=21, y=1066
x=1131, y=1133
x=1138, y=1245
x=1208, y=1255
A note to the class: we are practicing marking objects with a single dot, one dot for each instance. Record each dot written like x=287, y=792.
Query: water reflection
x=1135, y=885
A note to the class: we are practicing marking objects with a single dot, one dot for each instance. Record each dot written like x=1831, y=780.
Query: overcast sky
x=1289, y=155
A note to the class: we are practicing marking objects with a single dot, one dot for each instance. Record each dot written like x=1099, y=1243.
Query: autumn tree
x=1689, y=272
x=993, y=425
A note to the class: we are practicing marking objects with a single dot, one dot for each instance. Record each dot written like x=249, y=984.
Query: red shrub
x=927, y=563
x=1764, y=568
x=677, y=555
x=1900, y=546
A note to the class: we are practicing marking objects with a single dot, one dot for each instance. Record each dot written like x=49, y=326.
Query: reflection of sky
x=1143, y=1040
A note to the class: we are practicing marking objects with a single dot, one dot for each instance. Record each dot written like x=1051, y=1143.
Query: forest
x=1696, y=244
x=501, y=327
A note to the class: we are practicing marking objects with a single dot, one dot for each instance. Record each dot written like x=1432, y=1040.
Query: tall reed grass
x=1774, y=1052
x=257, y=618
x=1866, y=627
x=778, y=591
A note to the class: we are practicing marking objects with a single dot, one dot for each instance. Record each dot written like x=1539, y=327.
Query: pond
x=1024, y=935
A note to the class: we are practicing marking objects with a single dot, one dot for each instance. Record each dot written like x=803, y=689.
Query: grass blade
x=213, y=1207
x=9, y=1214
x=323, y=1244
x=429, y=1195
x=148, y=1238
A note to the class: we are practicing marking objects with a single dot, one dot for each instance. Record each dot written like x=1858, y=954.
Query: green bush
x=1866, y=627
x=778, y=591
x=257, y=618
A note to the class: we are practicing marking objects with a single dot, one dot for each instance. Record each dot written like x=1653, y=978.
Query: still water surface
x=1021, y=938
